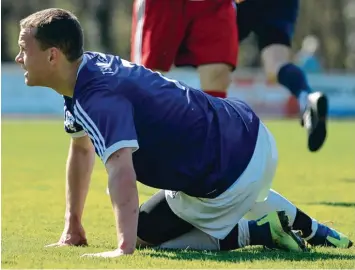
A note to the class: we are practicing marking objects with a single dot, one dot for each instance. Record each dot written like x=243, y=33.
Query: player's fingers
x=64, y=244
x=81, y=242
x=89, y=255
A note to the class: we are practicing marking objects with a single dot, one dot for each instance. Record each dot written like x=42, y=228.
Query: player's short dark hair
x=58, y=28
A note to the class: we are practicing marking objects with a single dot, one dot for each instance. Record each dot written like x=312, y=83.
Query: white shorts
x=218, y=216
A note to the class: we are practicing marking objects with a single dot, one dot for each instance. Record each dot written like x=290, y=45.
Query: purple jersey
x=183, y=139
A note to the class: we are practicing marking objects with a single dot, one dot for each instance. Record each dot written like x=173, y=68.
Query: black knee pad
x=157, y=223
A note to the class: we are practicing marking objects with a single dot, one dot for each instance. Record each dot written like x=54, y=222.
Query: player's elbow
x=123, y=178
x=123, y=185
x=120, y=169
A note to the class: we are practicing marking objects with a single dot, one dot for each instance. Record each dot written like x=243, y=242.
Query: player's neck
x=65, y=82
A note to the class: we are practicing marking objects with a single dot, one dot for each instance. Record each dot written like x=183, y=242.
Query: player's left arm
x=108, y=120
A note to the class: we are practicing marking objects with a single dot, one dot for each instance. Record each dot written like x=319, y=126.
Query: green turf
x=33, y=166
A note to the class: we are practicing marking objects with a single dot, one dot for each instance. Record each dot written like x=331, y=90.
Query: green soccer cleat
x=282, y=236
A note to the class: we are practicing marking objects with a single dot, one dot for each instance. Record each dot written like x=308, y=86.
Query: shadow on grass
x=248, y=255
x=339, y=204
x=348, y=180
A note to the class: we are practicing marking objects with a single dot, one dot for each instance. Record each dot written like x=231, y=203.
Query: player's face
x=33, y=59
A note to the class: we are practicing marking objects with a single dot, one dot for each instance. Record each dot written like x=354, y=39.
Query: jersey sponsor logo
x=105, y=64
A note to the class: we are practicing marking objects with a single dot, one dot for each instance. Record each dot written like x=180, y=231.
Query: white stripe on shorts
x=139, y=10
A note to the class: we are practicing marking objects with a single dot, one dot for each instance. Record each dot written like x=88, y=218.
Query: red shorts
x=184, y=32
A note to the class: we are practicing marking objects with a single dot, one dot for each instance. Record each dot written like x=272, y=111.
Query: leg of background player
x=216, y=77
x=276, y=59
x=313, y=106
x=153, y=44
x=211, y=44
x=315, y=233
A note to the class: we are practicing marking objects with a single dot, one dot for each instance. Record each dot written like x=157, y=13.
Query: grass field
x=33, y=170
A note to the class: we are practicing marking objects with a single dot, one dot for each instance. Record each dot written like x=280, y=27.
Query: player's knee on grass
x=215, y=77
x=274, y=57
x=142, y=244
x=194, y=240
x=157, y=223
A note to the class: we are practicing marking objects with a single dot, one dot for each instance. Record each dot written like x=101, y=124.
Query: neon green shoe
x=282, y=236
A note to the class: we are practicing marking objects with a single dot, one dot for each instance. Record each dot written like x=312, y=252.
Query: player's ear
x=53, y=54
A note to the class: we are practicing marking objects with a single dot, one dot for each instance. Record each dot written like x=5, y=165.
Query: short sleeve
x=71, y=126
x=108, y=119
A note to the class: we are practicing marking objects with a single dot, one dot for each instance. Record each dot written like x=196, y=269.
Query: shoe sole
x=319, y=132
x=287, y=229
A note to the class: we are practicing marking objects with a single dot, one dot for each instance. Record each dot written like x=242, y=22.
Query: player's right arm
x=79, y=166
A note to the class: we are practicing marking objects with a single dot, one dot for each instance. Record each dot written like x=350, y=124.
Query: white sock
x=303, y=100
x=243, y=233
x=274, y=202
x=314, y=229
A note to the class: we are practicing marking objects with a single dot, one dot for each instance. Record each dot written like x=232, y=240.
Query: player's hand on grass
x=71, y=237
x=108, y=254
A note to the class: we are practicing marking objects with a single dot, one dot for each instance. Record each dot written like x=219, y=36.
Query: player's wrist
x=127, y=243
x=126, y=250
x=72, y=220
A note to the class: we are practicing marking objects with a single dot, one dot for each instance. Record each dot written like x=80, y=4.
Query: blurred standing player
x=273, y=23
x=198, y=33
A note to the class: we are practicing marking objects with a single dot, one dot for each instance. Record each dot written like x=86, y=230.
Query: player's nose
x=19, y=59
